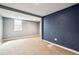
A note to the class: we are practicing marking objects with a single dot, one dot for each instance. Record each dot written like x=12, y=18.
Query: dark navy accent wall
x=63, y=25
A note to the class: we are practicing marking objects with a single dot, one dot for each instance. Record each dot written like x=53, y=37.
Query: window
x=17, y=25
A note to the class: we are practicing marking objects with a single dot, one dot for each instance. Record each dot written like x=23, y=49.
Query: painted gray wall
x=28, y=28
x=1, y=27
x=38, y=27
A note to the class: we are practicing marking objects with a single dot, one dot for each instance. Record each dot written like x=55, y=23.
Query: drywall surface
x=1, y=28
x=62, y=27
x=28, y=28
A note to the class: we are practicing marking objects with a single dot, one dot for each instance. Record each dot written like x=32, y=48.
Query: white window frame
x=17, y=25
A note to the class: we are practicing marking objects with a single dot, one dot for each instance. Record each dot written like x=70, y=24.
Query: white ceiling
x=17, y=15
x=40, y=9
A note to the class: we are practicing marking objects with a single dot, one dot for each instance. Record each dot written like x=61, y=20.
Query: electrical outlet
x=55, y=39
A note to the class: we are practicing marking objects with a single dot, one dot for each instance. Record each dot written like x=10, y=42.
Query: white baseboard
x=77, y=52
x=30, y=36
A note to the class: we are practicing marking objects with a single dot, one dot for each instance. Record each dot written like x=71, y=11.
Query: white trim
x=77, y=52
x=31, y=36
x=41, y=29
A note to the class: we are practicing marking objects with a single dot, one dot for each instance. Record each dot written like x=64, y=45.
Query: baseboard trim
x=30, y=36
x=77, y=52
